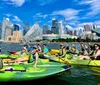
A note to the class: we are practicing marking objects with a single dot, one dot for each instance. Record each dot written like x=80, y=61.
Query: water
x=78, y=75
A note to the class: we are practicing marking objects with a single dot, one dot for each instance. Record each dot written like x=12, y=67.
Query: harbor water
x=78, y=75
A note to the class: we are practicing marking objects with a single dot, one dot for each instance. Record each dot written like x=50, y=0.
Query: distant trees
x=75, y=40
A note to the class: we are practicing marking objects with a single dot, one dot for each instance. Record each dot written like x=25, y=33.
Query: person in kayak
x=62, y=51
x=35, y=56
x=97, y=55
x=22, y=55
x=39, y=48
x=45, y=49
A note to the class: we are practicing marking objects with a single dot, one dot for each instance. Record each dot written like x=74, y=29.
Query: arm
x=97, y=54
x=36, y=61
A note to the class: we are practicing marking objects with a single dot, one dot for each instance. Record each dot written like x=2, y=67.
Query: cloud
x=44, y=2
x=16, y=19
x=40, y=15
x=69, y=14
x=15, y=2
x=69, y=27
x=8, y=15
x=94, y=8
x=85, y=23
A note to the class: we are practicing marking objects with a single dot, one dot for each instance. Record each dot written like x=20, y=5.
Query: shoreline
x=46, y=43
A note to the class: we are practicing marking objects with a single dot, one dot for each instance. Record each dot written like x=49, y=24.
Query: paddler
x=96, y=56
x=23, y=53
x=35, y=55
x=39, y=48
x=62, y=51
x=45, y=49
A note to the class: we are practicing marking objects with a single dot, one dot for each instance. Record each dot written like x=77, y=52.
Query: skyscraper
x=64, y=24
x=16, y=27
x=55, y=28
x=7, y=28
x=94, y=26
x=61, y=28
x=74, y=32
x=45, y=29
x=87, y=27
x=26, y=28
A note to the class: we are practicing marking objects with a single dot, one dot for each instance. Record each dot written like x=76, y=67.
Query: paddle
x=66, y=62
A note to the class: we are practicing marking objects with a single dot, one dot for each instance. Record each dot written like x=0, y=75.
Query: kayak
x=10, y=57
x=74, y=62
x=23, y=72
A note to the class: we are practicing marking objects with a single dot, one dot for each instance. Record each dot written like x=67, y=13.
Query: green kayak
x=24, y=72
x=74, y=62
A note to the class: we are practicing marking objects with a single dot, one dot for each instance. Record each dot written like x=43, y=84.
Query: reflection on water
x=78, y=75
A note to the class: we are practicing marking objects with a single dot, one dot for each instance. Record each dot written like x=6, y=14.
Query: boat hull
x=25, y=72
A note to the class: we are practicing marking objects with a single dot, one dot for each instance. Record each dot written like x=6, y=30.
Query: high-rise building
x=0, y=29
x=94, y=26
x=55, y=28
x=45, y=29
x=87, y=27
x=80, y=32
x=35, y=33
x=61, y=28
x=64, y=25
x=7, y=28
x=26, y=28
x=74, y=32
x=49, y=32
x=16, y=27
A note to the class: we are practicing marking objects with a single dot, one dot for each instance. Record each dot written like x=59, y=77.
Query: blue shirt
x=45, y=50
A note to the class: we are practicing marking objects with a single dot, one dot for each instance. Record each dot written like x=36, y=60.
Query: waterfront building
x=7, y=28
x=16, y=27
x=56, y=36
x=87, y=27
x=26, y=28
x=61, y=27
x=64, y=26
x=35, y=33
x=16, y=37
x=80, y=32
x=49, y=32
x=97, y=32
x=74, y=32
x=45, y=29
x=55, y=28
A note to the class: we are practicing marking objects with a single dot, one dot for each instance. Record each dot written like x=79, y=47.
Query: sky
x=77, y=13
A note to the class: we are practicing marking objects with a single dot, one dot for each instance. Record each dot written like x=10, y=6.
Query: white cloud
x=15, y=2
x=85, y=23
x=8, y=15
x=44, y=2
x=8, y=19
x=16, y=19
x=69, y=14
x=41, y=15
x=69, y=27
x=94, y=6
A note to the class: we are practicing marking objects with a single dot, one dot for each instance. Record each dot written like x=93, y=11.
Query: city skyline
x=77, y=12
